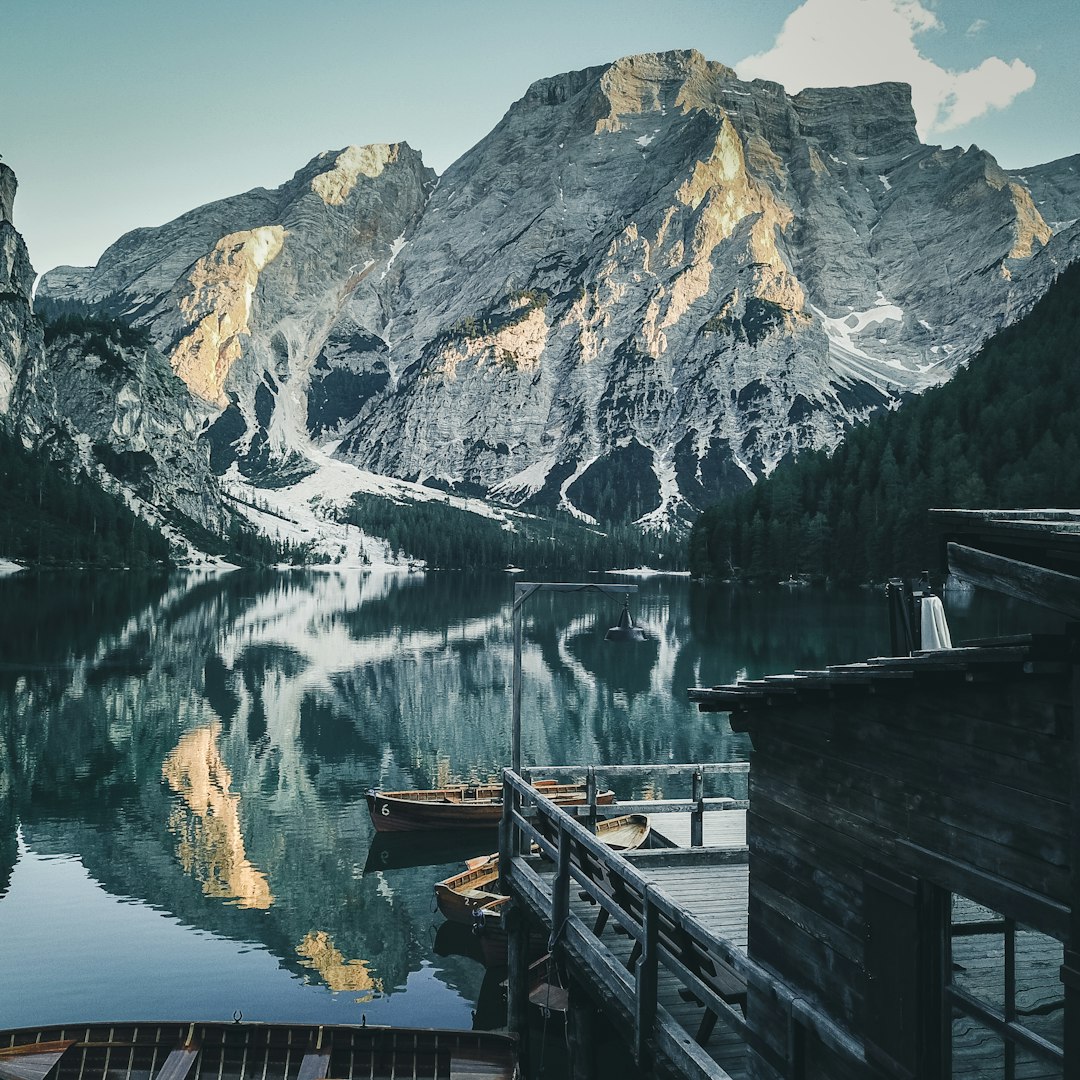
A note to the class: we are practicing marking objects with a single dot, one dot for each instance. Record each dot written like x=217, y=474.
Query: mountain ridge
x=650, y=276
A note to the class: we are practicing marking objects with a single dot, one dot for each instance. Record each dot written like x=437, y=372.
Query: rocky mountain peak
x=20, y=332
x=8, y=184
x=334, y=185
x=646, y=286
x=865, y=121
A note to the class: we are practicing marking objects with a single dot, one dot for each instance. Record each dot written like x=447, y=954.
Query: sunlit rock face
x=720, y=274
x=20, y=334
x=241, y=295
x=646, y=286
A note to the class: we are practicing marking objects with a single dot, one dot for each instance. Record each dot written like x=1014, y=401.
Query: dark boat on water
x=241, y=1051
x=464, y=806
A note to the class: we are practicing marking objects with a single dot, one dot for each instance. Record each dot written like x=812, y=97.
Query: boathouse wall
x=870, y=804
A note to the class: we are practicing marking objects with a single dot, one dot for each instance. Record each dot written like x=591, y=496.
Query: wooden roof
x=1033, y=555
x=1014, y=657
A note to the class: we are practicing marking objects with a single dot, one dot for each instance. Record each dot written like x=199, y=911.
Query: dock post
x=560, y=891
x=645, y=977
x=517, y=976
x=506, y=830
x=581, y=1033
x=590, y=796
x=697, y=815
x=1070, y=968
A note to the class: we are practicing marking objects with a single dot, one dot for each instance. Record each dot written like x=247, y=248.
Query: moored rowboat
x=235, y=1051
x=460, y=896
x=465, y=806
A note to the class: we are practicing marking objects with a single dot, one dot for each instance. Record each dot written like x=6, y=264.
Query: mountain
x=54, y=506
x=20, y=332
x=649, y=284
x=1003, y=432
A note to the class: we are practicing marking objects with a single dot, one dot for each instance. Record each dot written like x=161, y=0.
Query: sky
x=117, y=114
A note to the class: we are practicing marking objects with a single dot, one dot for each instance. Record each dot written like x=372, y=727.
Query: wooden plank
x=314, y=1065
x=810, y=967
x=951, y=749
x=179, y=1063
x=22, y=1065
x=651, y=859
x=960, y=803
x=1020, y=903
x=708, y=768
x=1022, y=580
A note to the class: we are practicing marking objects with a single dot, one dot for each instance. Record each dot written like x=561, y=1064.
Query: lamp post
x=626, y=630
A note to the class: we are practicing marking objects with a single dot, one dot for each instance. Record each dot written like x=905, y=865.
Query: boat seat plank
x=179, y=1063
x=314, y=1066
x=469, y=1069
x=30, y=1066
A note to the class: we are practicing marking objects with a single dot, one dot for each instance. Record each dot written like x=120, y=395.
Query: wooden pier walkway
x=659, y=939
x=659, y=935
x=725, y=1047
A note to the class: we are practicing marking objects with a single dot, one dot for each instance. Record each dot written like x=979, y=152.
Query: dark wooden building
x=914, y=836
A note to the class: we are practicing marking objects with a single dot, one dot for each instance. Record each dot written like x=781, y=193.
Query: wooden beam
x=702, y=856
x=1033, y=584
x=1031, y=908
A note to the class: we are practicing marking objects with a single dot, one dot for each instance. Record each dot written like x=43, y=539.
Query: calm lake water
x=183, y=762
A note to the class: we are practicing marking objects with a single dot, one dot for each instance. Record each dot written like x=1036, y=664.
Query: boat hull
x=464, y=807
x=239, y=1051
x=474, y=897
x=478, y=887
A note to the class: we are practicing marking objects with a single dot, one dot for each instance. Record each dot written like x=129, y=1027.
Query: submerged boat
x=464, y=806
x=241, y=1051
x=461, y=896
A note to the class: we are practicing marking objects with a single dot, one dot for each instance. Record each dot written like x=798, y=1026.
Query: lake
x=183, y=763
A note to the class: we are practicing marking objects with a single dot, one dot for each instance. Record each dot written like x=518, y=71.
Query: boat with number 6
x=241, y=1051
x=463, y=806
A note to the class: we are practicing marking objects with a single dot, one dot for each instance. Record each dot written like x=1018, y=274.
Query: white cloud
x=977, y=27
x=857, y=42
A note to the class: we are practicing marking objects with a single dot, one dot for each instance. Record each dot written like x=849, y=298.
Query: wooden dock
x=657, y=938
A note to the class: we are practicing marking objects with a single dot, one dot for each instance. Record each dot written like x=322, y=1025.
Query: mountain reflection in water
x=206, y=821
x=183, y=762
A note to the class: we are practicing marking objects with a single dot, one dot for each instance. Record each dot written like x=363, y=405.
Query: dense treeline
x=50, y=518
x=243, y=545
x=1004, y=432
x=99, y=332
x=446, y=537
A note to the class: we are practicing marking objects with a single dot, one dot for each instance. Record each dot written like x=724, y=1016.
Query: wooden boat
x=241, y=1051
x=461, y=896
x=465, y=806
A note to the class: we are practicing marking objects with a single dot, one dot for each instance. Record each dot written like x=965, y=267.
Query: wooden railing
x=692, y=775
x=709, y=968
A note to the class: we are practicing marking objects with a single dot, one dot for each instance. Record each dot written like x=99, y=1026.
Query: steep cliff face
x=20, y=333
x=717, y=274
x=240, y=296
x=111, y=397
x=648, y=284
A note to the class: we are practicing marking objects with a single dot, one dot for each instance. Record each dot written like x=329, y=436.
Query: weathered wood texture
x=961, y=758
x=1023, y=580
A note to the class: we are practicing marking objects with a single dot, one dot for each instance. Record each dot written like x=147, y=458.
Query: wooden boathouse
x=905, y=903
